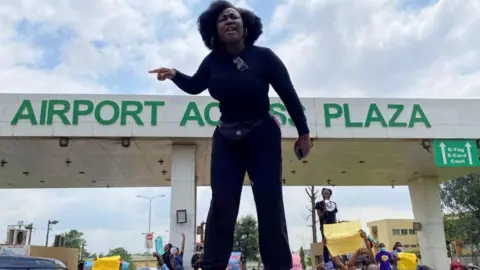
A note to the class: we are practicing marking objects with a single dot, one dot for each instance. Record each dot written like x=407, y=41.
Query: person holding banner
x=160, y=263
x=363, y=258
x=397, y=248
x=167, y=255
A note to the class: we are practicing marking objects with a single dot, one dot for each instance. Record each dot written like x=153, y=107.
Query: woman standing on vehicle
x=247, y=139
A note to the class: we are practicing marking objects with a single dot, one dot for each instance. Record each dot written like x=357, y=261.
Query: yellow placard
x=107, y=263
x=406, y=261
x=343, y=238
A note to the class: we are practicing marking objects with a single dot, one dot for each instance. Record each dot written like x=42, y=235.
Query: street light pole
x=150, y=216
x=49, y=227
x=48, y=233
x=150, y=199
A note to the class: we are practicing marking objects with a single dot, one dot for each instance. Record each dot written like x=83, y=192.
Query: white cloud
x=332, y=48
x=376, y=48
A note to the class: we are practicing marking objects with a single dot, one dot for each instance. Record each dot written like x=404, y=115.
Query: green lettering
x=374, y=115
x=329, y=115
x=187, y=116
x=418, y=116
x=393, y=120
x=278, y=109
x=207, y=112
x=25, y=112
x=348, y=121
x=43, y=112
x=78, y=111
x=98, y=114
x=60, y=112
x=154, y=110
x=134, y=113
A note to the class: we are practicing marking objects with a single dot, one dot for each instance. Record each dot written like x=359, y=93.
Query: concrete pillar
x=183, y=196
x=425, y=197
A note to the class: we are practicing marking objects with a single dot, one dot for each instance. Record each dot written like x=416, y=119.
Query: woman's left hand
x=304, y=143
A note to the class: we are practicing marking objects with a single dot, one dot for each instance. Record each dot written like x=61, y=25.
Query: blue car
x=30, y=263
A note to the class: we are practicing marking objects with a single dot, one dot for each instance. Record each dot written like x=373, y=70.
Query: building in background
x=144, y=261
x=389, y=231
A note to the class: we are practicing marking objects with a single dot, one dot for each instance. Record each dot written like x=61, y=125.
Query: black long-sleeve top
x=243, y=95
x=196, y=265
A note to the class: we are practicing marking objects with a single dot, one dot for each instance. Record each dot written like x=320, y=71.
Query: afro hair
x=207, y=23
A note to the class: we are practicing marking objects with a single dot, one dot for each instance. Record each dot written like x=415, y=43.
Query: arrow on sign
x=444, y=155
x=469, y=153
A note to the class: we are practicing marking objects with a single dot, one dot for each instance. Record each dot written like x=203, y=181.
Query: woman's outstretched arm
x=197, y=83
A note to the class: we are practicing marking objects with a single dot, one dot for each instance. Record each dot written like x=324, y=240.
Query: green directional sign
x=455, y=153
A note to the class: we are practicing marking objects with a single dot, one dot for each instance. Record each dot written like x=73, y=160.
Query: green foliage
x=120, y=251
x=302, y=258
x=124, y=255
x=92, y=256
x=460, y=199
x=246, y=237
x=462, y=195
x=453, y=228
x=308, y=261
x=73, y=239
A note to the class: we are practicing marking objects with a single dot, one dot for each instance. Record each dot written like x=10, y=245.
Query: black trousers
x=259, y=154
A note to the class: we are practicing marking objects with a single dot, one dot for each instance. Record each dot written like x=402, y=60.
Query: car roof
x=26, y=261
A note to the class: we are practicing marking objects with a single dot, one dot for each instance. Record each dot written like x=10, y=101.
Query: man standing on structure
x=327, y=214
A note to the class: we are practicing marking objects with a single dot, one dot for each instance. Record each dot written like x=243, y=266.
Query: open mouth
x=230, y=30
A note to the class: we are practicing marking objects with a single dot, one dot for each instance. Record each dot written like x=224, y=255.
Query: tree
x=460, y=199
x=308, y=261
x=302, y=258
x=246, y=237
x=312, y=215
x=452, y=228
x=120, y=251
x=92, y=256
x=124, y=255
x=73, y=239
x=462, y=195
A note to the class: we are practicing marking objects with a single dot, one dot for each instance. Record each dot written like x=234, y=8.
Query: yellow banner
x=343, y=238
x=406, y=261
x=107, y=263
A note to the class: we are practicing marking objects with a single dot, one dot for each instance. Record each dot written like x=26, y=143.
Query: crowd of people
x=172, y=258
x=372, y=256
x=365, y=258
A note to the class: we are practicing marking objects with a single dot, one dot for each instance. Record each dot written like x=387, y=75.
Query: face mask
x=399, y=248
x=383, y=249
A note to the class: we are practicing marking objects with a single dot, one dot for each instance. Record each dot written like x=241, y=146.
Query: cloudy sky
x=346, y=48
